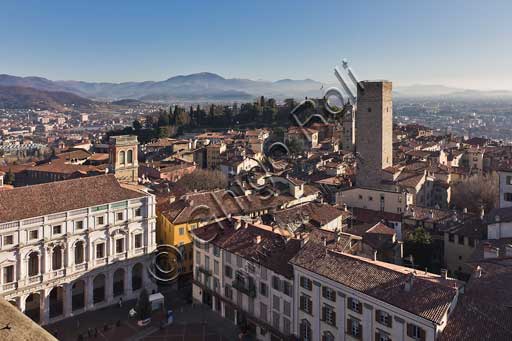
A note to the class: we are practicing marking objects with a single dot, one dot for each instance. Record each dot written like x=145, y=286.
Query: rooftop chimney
x=375, y=255
x=444, y=273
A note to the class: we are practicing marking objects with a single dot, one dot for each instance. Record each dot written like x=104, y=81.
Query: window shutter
x=349, y=327
x=360, y=307
x=360, y=333
x=302, y=302
x=409, y=329
x=324, y=313
x=333, y=314
x=349, y=303
x=377, y=335
x=377, y=315
x=422, y=334
x=390, y=321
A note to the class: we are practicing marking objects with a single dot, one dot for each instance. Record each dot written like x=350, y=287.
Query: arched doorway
x=56, y=301
x=32, y=306
x=57, y=258
x=78, y=295
x=137, y=276
x=33, y=264
x=99, y=289
x=118, y=282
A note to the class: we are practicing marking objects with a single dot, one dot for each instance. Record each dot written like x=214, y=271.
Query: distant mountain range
x=17, y=97
x=204, y=87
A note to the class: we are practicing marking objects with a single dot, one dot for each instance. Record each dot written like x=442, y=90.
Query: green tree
x=137, y=125
x=419, y=245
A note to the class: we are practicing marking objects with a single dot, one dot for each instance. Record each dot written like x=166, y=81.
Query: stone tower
x=374, y=131
x=124, y=162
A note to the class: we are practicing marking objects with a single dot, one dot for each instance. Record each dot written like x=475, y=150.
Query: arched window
x=33, y=264
x=305, y=331
x=129, y=156
x=327, y=336
x=79, y=252
x=57, y=258
x=121, y=157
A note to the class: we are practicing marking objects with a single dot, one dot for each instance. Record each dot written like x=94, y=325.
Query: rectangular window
x=100, y=250
x=329, y=294
x=507, y=196
x=415, y=332
x=216, y=267
x=138, y=241
x=228, y=257
x=305, y=304
x=355, y=305
x=354, y=327
x=383, y=318
x=287, y=308
x=8, y=240
x=328, y=315
x=461, y=240
x=306, y=283
x=207, y=262
x=120, y=245
x=228, y=292
x=216, y=251
x=509, y=180
x=239, y=261
x=79, y=224
x=263, y=311
x=119, y=216
x=275, y=320
x=286, y=326
x=57, y=229
x=276, y=303
x=451, y=237
x=287, y=288
x=34, y=234
x=181, y=231
x=100, y=220
x=198, y=257
x=8, y=274
x=228, y=271
x=276, y=283
x=138, y=212
x=263, y=289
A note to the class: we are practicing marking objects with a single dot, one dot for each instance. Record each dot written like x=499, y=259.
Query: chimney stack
x=478, y=272
x=444, y=273
x=375, y=255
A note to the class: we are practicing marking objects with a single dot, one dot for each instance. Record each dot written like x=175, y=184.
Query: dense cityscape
x=221, y=207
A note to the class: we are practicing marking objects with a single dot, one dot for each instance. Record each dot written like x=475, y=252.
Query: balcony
x=101, y=261
x=9, y=286
x=57, y=273
x=35, y=279
x=248, y=289
x=205, y=271
x=81, y=267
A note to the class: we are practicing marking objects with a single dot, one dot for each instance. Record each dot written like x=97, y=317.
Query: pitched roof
x=483, y=312
x=38, y=200
x=273, y=251
x=429, y=297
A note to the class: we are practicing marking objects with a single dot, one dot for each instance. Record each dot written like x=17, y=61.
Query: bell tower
x=124, y=161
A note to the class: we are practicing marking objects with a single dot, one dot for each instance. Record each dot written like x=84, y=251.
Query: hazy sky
x=465, y=43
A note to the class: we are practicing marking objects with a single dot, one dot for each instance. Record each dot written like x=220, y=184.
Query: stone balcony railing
x=9, y=286
x=81, y=267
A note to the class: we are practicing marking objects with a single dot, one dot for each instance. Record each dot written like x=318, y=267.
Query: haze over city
x=456, y=43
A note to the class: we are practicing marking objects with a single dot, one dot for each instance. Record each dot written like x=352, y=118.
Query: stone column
x=21, y=303
x=109, y=287
x=44, y=306
x=89, y=293
x=67, y=301
x=128, y=281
